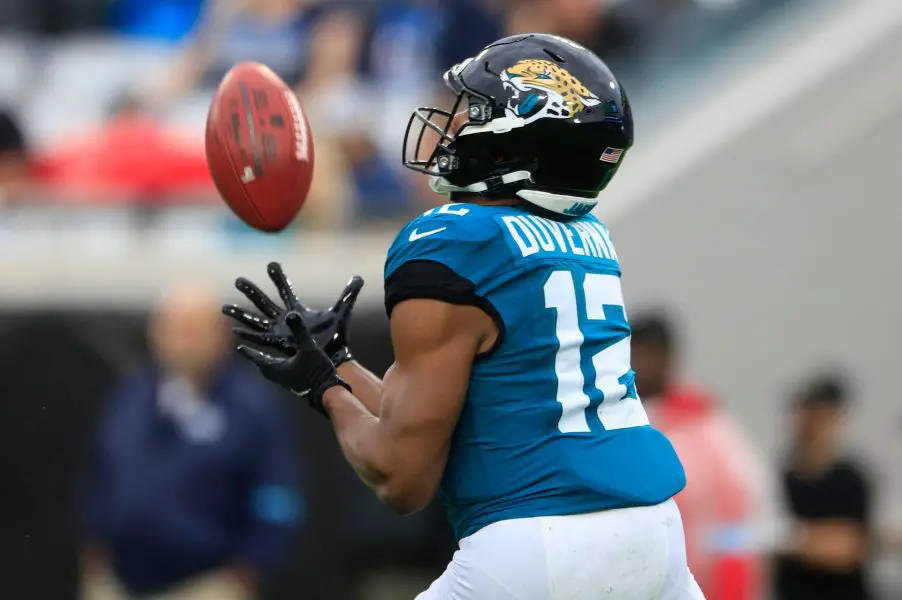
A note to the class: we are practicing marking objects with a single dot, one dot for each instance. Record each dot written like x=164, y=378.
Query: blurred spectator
x=344, y=114
x=724, y=500
x=401, y=62
x=830, y=499
x=14, y=164
x=273, y=32
x=589, y=22
x=52, y=17
x=157, y=19
x=191, y=493
x=132, y=157
x=467, y=26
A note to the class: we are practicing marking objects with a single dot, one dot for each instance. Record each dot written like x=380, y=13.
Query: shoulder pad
x=450, y=234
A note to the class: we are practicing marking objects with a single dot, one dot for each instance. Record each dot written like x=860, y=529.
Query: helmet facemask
x=447, y=125
x=432, y=122
x=471, y=170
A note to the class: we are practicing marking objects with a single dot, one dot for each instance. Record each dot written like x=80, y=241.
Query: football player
x=511, y=393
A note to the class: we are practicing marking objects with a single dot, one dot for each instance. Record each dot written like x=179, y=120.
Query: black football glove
x=328, y=328
x=308, y=372
x=305, y=337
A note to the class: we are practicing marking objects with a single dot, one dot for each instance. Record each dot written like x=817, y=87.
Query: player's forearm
x=357, y=431
x=374, y=453
x=366, y=385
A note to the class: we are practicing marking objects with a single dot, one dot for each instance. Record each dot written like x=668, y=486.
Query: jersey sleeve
x=443, y=256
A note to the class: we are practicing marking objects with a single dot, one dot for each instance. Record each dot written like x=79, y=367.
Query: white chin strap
x=556, y=203
x=440, y=185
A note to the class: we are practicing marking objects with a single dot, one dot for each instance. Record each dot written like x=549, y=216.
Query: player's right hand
x=269, y=329
x=307, y=373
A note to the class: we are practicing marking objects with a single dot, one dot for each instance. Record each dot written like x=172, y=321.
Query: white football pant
x=624, y=554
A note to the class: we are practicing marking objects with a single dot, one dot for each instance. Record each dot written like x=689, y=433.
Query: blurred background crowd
x=95, y=87
x=756, y=220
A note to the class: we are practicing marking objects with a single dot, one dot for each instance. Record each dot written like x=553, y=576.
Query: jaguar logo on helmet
x=542, y=89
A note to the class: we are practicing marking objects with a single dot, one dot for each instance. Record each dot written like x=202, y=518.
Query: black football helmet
x=544, y=120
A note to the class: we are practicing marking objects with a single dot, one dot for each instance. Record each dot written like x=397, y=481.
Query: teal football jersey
x=552, y=423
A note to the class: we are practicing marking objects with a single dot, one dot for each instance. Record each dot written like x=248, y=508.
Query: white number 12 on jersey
x=616, y=410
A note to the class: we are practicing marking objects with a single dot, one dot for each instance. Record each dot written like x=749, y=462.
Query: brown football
x=259, y=147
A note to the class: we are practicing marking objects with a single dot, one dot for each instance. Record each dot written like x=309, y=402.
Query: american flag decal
x=611, y=155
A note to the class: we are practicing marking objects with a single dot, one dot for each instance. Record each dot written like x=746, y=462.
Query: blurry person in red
x=132, y=157
x=828, y=497
x=722, y=502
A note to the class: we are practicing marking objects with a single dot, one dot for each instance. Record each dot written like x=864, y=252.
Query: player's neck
x=483, y=201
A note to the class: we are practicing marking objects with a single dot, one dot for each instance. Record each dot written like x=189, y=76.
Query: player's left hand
x=328, y=327
x=312, y=342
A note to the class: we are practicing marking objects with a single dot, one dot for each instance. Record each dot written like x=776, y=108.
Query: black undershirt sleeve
x=432, y=280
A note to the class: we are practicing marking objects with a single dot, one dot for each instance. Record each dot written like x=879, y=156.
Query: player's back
x=552, y=423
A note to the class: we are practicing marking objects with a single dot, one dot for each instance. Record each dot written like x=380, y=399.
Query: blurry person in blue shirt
x=191, y=490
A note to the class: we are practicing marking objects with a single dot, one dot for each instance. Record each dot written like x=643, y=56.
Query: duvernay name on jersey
x=535, y=235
